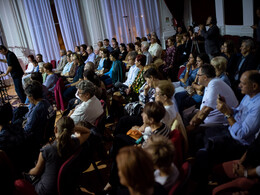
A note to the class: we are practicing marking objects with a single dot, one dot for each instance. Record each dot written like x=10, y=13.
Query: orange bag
x=134, y=133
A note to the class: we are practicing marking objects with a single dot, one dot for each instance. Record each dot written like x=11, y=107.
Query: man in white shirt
x=91, y=55
x=208, y=113
x=144, y=48
x=90, y=108
x=155, y=49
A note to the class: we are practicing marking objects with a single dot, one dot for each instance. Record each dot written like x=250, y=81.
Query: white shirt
x=91, y=58
x=155, y=50
x=170, y=115
x=132, y=73
x=88, y=111
x=30, y=68
x=217, y=86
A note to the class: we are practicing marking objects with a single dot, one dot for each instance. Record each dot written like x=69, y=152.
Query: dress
x=88, y=111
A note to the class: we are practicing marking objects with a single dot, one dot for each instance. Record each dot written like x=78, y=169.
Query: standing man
x=211, y=36
x=15, y=69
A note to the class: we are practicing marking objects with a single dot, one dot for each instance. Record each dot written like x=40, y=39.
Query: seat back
x=181, y=69
x=178, y=187
x=53, y=62
x=177, y=140
x=69, y=174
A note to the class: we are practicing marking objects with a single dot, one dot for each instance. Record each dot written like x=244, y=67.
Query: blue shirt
x=109, y=73
x=247, y=116
x=67, y=67
x=91, y=58
x=50, y=82
x=225, y=78
x=191, y=78
x=101, y=64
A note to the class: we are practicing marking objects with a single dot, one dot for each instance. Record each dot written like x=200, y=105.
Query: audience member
x=62, y=62
x=26, y=77
x=220, y=65
x=138, y=48
x=51, y=78
x=77, y=49
x=30, y=67
x=100, y=44
x=155, y=49
x=144, y=48
x=115, y=47
x=104, y=63
x=40, y=62
x=84, y=53
x=123, y=52
x=67, y=67
x=91, y=55
x=107, y=46
x=186, y=47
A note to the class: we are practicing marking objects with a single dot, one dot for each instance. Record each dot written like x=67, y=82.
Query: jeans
x=19, y=89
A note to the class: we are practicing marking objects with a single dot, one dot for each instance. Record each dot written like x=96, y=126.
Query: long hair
x=65, y=127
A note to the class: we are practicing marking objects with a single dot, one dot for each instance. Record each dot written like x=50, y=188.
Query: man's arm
x=200, y=116
x=9, y=69
x=226, y=110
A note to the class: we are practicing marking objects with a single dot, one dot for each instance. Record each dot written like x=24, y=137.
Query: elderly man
x=63, y=61
x=91, y=54
x=144, y=48
x=90, y=108
x=208, y=112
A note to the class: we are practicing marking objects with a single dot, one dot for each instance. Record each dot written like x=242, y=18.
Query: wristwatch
x=228, y=116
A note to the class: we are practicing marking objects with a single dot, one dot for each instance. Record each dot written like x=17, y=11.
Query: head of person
x=131, y=58
x=192, y=58
x=97, y=50
x=115, y=44
x=35, y=63
x=122, y=47
x=33, y=90
x=170, y=41
x=135, y=169
x=6, y=114
x=89, y=66
x=258, y=12
x=186, y=37
x=100, y=44
x=90, y=49
x=68, y=57
x=39, y=58
x=143, y=39
x=113, y=56
x=149, y=36
x=138, y=39
x=47, y=67
x=144, y=46
x=37, y=76
x=91, y=76
x=220, y=64
x=201, y=59
x=250, y=83
x=62, y=52
x=103, y=52
x=113, y=40
x=164, y=91
x=83, y=48
x=140, y=61
x=77, y=59
x=162, y=152
x=77, y=49
x=3, y=50
x=153, y=113
x=151, y=76
x=205, y=73
x=106, y=42
x=211, y=20
x=137, y=46
x=228, y=47
x=30, y=58
x=246, y=47
x=153, y=39
x=179, y=38
x=68, y=52
x=179, y=30
x=130, y=47
x=63, y=130
x=86, y=90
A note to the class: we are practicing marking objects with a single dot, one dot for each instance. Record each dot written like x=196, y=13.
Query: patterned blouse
x=138, y=82
x=169, y=58
x=150, y=97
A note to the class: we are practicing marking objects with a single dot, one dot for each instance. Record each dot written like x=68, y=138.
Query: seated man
x=208, y=112
x=63, y=61
x=91, y=54
x=90, y=108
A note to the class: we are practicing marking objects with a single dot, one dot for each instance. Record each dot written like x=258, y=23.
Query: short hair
x=141, y=58
x=90, y=47
x=6, y=113
x=30, y=56
x=154, y=110
x=162, y=151
x=78, y=47
x=40, y=55
x=254, y=77
x=123, y=45
x=204, y=57
x=138, y=44
x=136, y=166
x=104, y=50
x=115, y=54
x=101, y=42
x=84, y=46
x=208, y=70
x=143, y=39
x=131, y=46
x=213, y=20
x=2, y=47
x=138, y=39
x=132, y=55
x=145, y=44
x=91, y=76
x=89, y=66
x=47, y=66
x=87, y=87
x=166, y=88
x=106, y=40
x=114, y=39
x=171, y=38
x=219, y=63
x=33, y=89
x=249, y=43
x=34, y=62
x=151, y=72
x=179, y=36
x=37, y=76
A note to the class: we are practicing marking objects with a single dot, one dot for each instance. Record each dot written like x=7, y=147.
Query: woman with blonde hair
x=220, y=65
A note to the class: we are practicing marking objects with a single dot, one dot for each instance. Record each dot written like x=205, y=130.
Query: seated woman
x=188, y=75
x=26, y=76
x=104, y=63
x=115, y=74
x=162, y=152
x=141, y=180
x=71, y=89
x=90, y=108
x=194, y=93
x=220, y=65
x=52, y=156
x=67, y=67
x=51, y=78
x=123, y=52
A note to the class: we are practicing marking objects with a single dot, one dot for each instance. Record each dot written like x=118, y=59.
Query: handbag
x=134, y=133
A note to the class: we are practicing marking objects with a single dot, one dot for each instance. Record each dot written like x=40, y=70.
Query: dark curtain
x=176, y=8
